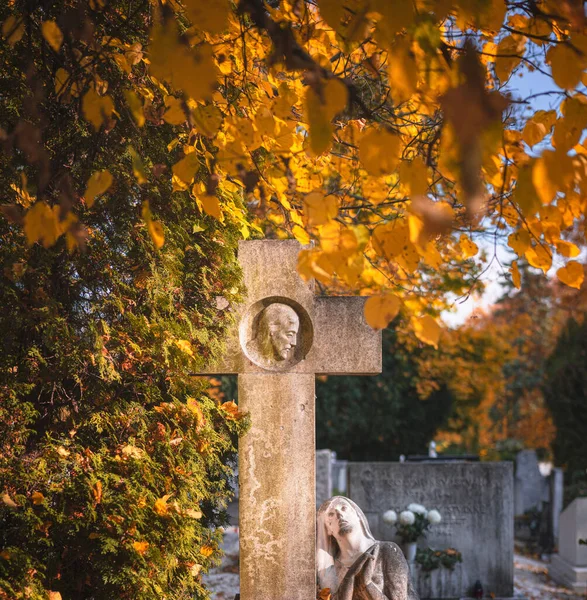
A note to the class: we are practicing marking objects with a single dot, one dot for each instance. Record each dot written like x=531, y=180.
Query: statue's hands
x=366, y=575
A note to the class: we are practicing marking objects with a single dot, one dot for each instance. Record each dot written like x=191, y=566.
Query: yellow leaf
x=516, y=274
x=301, y=235
x=427, y=330
x=468, y=247
x=37, y=498
x=42, y=224
x=211, y=205
x=8, y=501
x=140, y=547
x=336, y=96
x=192, y=513
x=519, y=241
x=539, y=257
x=403, y=72
x=414, y=175
x=98, y=183
x=161, y=507
x=525, y=194
x=133, y=452
x=567, y=66
x=209, y=15
x=138, y=168
x=97, y=491
x=320, y=209
x=12, y=29
x=54, y=596
x=572, y=274
x=186, y=168
x=97, y=109
x=185, y=346
x=175, y=113
x=567, y=249
x=379, y=151
x=208, y=119
x=381, y=310
x=320, y=129
x=52, y=34
x=136, y=107
x=63, y=452
x=535, y=131
x=195, y=570
x=510, y=51
x=190, y=69
x=154, y=228
x=206, y=550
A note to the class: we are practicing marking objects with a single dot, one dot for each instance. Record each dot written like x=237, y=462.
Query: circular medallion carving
x=276, y=333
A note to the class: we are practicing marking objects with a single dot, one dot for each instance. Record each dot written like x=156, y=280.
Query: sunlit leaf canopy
x=388, y=133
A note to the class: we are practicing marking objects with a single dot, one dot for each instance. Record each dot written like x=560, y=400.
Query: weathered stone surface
x=569, y=566
x=476, y=504
x=276, y=504
x=323, y=476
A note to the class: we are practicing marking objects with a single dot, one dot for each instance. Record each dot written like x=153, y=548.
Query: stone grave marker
x=569, y=566
x=475, y=501
x=285, y=336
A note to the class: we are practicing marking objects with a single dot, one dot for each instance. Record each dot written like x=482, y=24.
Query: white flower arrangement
x=407, y=517
x=412, y=522
x=389, y=517
x=434, y=517
x=418, y=509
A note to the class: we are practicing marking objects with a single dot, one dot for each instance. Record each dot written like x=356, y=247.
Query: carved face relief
x=276, y=335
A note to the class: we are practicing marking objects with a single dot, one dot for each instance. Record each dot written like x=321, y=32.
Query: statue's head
x=340, y=516
x=277, y=332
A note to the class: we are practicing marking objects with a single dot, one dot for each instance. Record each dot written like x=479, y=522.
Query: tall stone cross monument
x=285, y=337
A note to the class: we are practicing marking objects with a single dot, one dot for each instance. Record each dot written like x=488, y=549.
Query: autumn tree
x=565, y=392
x=113, y=459
x=382, y=417
x=388, y=132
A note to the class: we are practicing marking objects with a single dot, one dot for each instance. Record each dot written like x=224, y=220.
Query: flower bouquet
x=411, y=524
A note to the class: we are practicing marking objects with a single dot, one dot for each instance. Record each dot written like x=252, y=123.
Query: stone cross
x=285, y=336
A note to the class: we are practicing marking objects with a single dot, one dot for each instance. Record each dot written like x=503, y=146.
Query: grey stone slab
x=276, y=503
x=476, y=504
x=572, y=528
x=530, y=486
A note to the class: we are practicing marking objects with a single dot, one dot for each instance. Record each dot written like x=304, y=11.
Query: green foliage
x=565, y=392
x=430, y=559
x=382, y=417
x=113, y=473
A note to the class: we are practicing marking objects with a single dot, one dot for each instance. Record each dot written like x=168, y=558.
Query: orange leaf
x=572, y=274
x=381, y=310
x=140, y=547
x=37, y=498
x=206, y=550
x=97, y=491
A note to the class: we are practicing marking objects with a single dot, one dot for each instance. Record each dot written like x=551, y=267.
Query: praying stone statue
x=351, y=563
x=276, y=336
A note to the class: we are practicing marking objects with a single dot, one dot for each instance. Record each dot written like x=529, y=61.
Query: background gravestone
x=323, y=476
x=476, y=504
x=531, y=488
x=569, y=566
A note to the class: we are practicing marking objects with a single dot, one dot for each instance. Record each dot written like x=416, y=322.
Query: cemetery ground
x=531, y=580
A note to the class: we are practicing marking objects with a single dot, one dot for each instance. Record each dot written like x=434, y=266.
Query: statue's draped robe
x=380, y=573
